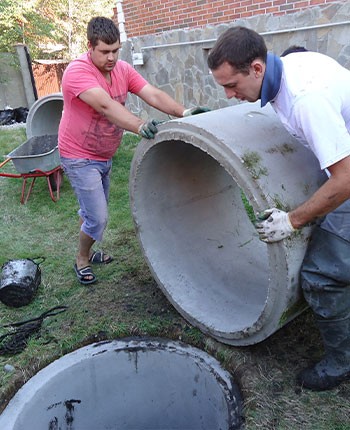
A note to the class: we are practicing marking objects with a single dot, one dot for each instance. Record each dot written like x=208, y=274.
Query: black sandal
x=99, y=257
x=85, y=275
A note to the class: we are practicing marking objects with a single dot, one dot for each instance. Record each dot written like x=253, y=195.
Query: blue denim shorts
x=90, y=180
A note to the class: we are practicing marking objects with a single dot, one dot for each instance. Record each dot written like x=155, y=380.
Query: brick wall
x=155, y=16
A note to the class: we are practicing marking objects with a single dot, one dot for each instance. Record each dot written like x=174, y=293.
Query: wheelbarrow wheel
x=54, y=178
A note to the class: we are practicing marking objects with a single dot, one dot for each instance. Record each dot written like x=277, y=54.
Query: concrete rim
x=44, y=115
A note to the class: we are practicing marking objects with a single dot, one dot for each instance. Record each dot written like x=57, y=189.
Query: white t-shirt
x=313, y=104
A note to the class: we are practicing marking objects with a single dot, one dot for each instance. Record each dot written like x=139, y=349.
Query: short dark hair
x=238, y=46
x=102, y=29
x=293, y=48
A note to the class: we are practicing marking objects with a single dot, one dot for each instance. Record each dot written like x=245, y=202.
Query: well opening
x=143, y=384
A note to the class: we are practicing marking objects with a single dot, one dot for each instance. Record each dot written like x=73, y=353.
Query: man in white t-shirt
x=310, y=92
x=95, y=87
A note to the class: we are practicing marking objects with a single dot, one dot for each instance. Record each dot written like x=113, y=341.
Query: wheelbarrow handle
x=4, y=162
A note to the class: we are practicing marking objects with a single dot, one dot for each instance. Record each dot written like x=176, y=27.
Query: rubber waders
x=325, y=279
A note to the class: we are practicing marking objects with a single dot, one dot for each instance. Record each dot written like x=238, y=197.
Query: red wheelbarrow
x=37, y=157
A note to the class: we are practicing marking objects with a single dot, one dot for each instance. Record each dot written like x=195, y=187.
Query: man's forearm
x=166, y=104
x=161, y=100
x=117, y=114
x=327, y=198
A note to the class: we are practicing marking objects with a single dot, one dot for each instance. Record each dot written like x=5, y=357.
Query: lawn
x=127, y=302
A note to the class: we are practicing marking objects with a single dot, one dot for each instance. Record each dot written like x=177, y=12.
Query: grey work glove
x=275, y=225
x=149, y=128
x=195, y=110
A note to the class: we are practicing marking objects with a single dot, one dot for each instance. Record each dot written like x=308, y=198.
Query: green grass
x=127, y=302
x=11, y=138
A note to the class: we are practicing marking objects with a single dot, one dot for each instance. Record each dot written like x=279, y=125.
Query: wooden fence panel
x=48, y=77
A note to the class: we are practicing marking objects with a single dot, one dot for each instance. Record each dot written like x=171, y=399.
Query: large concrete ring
x=139, y=384
x=191, y=190
x=44, y=115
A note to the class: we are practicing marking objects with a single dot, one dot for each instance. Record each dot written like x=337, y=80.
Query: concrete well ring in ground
x=136, y=383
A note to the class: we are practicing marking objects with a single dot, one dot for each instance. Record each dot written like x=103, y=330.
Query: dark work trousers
x=325, y=272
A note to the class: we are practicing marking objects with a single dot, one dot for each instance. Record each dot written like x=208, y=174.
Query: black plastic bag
x=7, y=117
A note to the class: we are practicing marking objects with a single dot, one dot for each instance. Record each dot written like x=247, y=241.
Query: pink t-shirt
x=83, y=132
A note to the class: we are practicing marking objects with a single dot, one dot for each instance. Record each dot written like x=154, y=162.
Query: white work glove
x=275, y=225
x=149, y=128
x=195, y=111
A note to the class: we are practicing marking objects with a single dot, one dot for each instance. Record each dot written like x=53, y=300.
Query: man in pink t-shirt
x=95, y=87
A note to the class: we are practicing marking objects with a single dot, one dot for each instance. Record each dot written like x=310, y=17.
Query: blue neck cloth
x=272, y=78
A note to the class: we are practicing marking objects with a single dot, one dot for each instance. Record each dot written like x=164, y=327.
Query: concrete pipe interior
x=138, y=384
x=193, y=217
x=194, y=192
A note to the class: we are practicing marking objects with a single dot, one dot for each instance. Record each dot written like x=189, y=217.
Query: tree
x=21, y=22
x=50, y=29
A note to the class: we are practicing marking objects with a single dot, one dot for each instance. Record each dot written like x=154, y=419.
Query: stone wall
x=144, y=17
x=176, y=61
